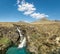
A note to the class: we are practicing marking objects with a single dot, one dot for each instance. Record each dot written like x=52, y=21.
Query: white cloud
x=18, y=1
x=28, y=12
x=29, y=9
x=38, y=15
x=26, y=21
x=21, y=8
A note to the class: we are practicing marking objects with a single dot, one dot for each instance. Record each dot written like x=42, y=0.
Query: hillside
x=45, y=21
x=42, y=37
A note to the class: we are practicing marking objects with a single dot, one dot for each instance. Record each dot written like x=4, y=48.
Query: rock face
x=9, y=33
x=41, y=38
x=45, y=39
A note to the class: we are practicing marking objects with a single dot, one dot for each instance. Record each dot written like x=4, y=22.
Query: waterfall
x=22, y=41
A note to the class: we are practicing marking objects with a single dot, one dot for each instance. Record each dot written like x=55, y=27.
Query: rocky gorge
x=41, y=38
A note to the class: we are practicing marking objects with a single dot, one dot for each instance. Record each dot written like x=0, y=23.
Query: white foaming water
x=22, y=44
x=21, y=36
x=22, y=41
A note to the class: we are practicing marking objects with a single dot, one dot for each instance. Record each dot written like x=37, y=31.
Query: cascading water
x=22, y=41
x=21, y=49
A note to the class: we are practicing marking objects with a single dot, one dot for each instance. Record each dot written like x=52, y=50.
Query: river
x=15, y=50
x=21, y=49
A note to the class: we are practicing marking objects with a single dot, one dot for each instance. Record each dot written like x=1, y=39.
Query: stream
x=21, y=49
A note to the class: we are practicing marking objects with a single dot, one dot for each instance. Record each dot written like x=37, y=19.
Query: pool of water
x=15, y=50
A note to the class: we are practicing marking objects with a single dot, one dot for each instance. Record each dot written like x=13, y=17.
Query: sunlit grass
x=4, y=40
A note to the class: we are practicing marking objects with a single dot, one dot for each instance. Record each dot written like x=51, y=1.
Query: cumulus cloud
x=28, y=12
x=29, y=9
x=38, y=15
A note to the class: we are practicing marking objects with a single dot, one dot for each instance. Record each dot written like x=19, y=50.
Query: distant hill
x=45, y=21
x=22, y=22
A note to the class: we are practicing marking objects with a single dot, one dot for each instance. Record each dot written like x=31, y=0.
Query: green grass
x=4, y=40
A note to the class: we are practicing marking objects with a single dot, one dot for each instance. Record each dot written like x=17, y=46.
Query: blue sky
x=9, y=10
